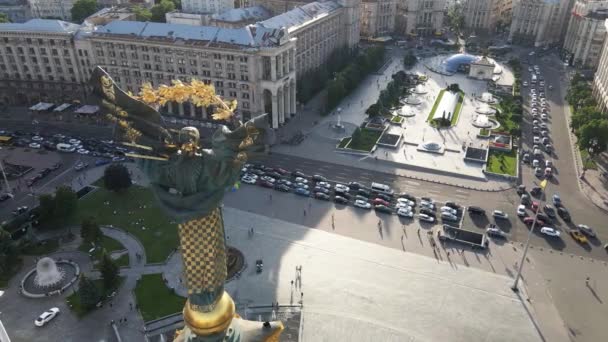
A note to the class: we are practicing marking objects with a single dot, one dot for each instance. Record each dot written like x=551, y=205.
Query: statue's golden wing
x=137, y=120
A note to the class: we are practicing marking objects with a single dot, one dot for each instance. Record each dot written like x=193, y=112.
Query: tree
x=373, y=110
x=82, y=9
x=594, y=134
x=159, y=10
x=4, y=18
x=409, y=60
x=89, y=293
x=109, y=272
x=65, y=201
x=116, y=177
x=46, y=206
x=456, y=18
x=90, y=231
x=142, y=13
x=8, y=253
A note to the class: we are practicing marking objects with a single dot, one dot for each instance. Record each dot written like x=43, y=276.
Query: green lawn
x=344, y=142
x=109, y=245
x=5, y=277
x=364, y=139
x=123, y=261
x=397, y=119
x=41, y=248
x=587, y=162
x=150, y=291
x=484, y=132
x=458, y=108
x=435, y=105
x=73, y=300
x=159, y=237
x=502, y=162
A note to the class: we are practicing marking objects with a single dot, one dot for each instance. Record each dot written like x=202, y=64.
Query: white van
x=382, y=188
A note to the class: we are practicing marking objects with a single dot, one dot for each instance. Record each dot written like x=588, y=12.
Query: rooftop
x=301, y=16
x=41, y=25
x=243, y=14
x=249, y=36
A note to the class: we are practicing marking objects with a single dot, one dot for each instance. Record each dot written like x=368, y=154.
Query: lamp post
x=523, y=257
x=8, y=186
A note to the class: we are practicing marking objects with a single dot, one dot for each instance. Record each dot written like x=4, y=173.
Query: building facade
x=277, y=7
x=539, y=22
x=38, y=62
x=600, y=81
x=420, y=17
x=320, y=28
x=206, y=6
x=240, y=17
x=377, y=17
x=486, y=16
x=586, y=33
x=57, y=9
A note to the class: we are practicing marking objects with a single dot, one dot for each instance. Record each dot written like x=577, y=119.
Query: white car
x=495, y=231
x=535, y=163
x=525, y=84
x=268, y=179
x=342, y=188
x=426, y=218
x=450, y=210
x=406, y=201
x=301, y=180
x=536, y=140
x=34, y=145
x=427, y=203
x=521, y=210
x=500, y=214
x=37, y=138
x=74, y=141
x=401, y=205
x=362, y=204
x=83, y=151
x=46, y=317
x=449, y=217
x=251, y=175
x=548, y=163
x=248, y=180
x=544, y=117
x=405, y=213
x=550, y=231
x=324, y=184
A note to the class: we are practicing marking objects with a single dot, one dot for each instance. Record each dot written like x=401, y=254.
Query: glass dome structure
x=458, y=62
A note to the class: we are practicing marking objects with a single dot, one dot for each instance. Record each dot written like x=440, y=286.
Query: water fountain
x=483, y=121
x=413, y=100
x=338, y=126
x=420, y=89
x=485, y=109
x=487, y=98
x=49, y=277
x=47, y=273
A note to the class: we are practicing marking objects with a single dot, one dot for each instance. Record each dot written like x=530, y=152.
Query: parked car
x=303, y=185
x=500, y=215
x=248, y=180
x=452, y=205
x=426, y=218
x=322, y=196
x=406, y=201
x=268, y=179
x=578, y=236
x=283, y=188
x=266, y=184
x=321, y=189
x=298, y=173
x=585, y=229
x=364, y=192
x=549, y=210
x=408, y=196
x=563, y=213
x=361, y=198
x=530, y=220
x=355, y=185
x=302, y=192
x=384, y=197
x=557, y=200
x=46, y=317
x=383, y=209
x=341, y=188
x=301, y=180
x=324, y=185
x=493, y=230
x=362, y=204
x=549, y=231
x=319, y=178
x=20, y=210
x=427, y=211
x=341, y=200
x=381, y=201
x=405, y=213
x=450, y=210
x=448, y=217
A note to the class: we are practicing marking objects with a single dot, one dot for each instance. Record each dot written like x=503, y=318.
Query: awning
x=62, y=107
x=87, y=109
x=41, y=106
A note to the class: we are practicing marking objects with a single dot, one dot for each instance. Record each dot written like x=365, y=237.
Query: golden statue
x=189, y=183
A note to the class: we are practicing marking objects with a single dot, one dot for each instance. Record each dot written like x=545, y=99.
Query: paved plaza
x=322, y=141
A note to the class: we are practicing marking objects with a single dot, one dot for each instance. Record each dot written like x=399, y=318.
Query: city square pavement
x=321, y=141
x=370, y=292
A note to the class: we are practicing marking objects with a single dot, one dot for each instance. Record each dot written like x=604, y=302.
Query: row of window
x=35, y=60
x=38, y=77
x=166, y=51
x=39, y=41
x=32, y=51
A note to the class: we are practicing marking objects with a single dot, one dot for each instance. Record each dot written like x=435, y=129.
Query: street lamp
x=543, y=184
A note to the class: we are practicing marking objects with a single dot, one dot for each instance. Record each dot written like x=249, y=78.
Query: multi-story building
x=600, y=81
x=377, y=17
x=110, y=3
x=17, y=11
x=420, y=17
x=38, y=62
x=61, y=9
x=539, y=22
x=240, y=17
x=485, y=16
x=277, y=7
x=320, y=28
x=207, y=6
x=586, y=32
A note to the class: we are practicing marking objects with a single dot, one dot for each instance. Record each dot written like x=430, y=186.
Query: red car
x=267, y=184
x=534, y=206
x=281, y=171
x=377, y=201
x=530, y=220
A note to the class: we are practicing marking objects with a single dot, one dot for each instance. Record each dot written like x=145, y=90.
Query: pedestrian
x=587, y=281
x=110, y=304
x=292, y=283
x=304, y=212
x=131, y=304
